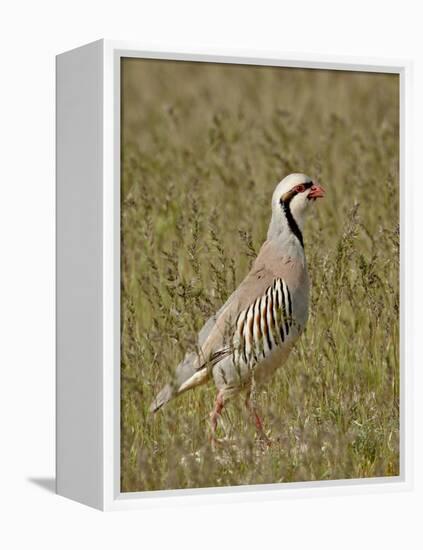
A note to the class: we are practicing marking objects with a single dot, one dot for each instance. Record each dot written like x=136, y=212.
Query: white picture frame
x=88, y=279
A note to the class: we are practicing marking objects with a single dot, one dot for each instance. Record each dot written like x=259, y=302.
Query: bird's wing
x=269, y=265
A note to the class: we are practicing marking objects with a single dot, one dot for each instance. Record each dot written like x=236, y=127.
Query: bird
x=253, y=333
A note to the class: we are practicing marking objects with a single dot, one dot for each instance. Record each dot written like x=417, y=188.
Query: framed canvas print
x=231, y=276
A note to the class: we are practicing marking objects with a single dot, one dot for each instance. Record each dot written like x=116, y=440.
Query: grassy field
x=203, y=147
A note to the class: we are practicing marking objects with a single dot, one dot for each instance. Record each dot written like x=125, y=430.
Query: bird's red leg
x=257, y=420
x=214, y=416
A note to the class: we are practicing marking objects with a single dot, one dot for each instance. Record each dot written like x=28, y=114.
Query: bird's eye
x=300, y=188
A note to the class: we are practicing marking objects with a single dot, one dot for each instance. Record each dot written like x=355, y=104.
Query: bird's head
x=290, y=203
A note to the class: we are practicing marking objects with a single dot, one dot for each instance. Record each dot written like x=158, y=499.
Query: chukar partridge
x=254, y=331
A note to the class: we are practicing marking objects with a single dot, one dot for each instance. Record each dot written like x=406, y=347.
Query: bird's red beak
x=316, y=191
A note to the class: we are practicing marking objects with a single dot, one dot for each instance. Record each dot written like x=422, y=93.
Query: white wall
x=31, y=34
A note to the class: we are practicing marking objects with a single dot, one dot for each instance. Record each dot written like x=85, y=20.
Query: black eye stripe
x=306, y=185
x=289, y=195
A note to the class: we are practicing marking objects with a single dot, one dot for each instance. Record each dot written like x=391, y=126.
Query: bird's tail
x=187, y=376
x=165, y=395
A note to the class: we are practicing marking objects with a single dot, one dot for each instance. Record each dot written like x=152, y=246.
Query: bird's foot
x=215, y=442
x=264, y=441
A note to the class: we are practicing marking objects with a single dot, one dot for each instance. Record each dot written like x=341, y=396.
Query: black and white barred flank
x=264, y=325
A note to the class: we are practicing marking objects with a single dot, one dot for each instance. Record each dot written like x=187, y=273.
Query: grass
x=203, y=146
